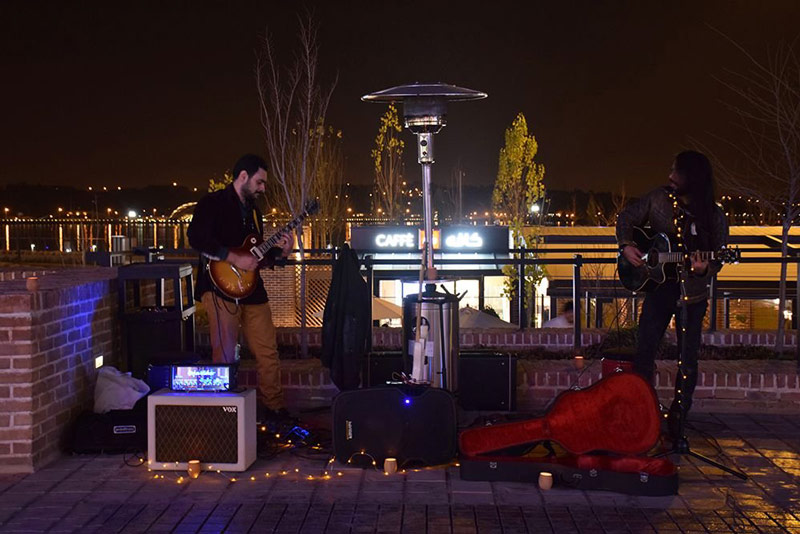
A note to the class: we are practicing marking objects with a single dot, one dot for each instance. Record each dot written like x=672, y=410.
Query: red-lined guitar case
x=603, y=432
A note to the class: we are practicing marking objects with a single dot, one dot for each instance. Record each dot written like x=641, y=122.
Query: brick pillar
x=49, y=340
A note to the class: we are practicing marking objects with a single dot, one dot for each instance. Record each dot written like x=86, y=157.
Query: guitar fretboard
x=272, y=241
x=677, y=257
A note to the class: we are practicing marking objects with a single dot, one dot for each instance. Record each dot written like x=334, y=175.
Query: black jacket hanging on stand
x=346, y=321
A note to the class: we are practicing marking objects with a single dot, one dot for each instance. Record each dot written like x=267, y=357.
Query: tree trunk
x=303, y=326
x=531, y=319
x=782, y=285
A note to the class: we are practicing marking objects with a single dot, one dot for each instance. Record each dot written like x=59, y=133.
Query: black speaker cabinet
x=381, y=367
x=416, y=425
x=487, y=381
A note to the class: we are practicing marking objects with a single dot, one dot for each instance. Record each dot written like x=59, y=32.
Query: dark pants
x=659, y=307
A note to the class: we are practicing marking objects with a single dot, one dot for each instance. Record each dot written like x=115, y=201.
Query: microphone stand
x=680, y=444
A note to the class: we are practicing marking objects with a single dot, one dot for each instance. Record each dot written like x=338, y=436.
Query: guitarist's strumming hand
x=633, y=255
x=242, y=260
x=699, y=266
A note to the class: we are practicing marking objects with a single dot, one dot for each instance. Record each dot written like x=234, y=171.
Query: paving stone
x=101, y=494
x=472, y=498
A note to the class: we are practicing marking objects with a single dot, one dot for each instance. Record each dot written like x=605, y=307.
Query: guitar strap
x=255, y=223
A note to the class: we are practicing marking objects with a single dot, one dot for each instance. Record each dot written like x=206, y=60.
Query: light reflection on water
x=73, y=236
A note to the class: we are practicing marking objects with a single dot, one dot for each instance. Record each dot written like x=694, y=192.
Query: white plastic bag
x=116, y=390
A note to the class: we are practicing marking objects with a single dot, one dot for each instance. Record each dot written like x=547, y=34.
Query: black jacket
x=346, y=321
x=221, y=222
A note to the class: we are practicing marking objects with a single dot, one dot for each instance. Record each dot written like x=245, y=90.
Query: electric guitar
x=237, y=283
x=661, y=261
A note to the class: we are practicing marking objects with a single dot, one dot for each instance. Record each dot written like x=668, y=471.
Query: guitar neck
x=678, y=257
x=272, y=241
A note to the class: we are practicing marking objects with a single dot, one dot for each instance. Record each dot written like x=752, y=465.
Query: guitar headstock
x=311, y=207
x=729, y=255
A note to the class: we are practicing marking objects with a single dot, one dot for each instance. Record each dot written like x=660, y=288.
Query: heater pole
x=425, y=158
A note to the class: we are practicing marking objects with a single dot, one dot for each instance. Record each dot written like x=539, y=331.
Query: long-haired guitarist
x=221, y=221
x=686, y=211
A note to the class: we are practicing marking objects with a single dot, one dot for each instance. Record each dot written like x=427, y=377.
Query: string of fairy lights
x=329, y=471
x=679, y=220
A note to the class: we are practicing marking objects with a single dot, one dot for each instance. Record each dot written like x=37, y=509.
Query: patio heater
x=424, y=113
x=430, y=318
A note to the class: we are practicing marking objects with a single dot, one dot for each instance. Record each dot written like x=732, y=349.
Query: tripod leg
x=718, y=465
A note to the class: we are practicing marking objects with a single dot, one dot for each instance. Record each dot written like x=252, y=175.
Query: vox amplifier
x=219, y=429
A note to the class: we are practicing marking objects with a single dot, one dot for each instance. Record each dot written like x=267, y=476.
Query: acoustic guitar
x=237, y=283
x=661, y=261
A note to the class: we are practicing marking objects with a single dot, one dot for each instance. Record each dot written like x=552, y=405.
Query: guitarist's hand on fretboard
x=699, y=266
x=633, y=255
x=285, y=244
x=242, y=260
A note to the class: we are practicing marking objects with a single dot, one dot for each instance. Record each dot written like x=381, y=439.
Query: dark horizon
x=100, y=94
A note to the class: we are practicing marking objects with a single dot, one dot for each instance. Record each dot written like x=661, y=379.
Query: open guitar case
x=591, y=439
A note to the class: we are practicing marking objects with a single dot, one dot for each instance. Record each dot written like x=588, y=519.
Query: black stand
x=680, y=444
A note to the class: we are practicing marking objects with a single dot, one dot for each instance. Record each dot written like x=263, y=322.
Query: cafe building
x=468, y=259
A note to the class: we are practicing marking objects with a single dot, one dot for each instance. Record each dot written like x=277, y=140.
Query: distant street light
x=131, y=214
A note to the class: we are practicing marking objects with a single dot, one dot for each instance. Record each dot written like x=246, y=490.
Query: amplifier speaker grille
x=205, y=433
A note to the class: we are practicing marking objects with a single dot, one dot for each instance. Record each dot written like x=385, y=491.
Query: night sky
x=134, y=93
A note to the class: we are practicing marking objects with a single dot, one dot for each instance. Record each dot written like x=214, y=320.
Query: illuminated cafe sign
x=483, y=239
x=446, y=239
x=405, y=240
x=385, y=238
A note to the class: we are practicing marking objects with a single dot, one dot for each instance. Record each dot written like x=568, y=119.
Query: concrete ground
x=101, y=493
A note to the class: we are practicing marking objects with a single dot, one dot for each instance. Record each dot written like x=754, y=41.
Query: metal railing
x=518, y=258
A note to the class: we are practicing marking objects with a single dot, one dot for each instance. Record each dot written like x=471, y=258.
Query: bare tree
x=453, y=195
x=766, y=104
x=608, y=215
x=328, y=188
x=293, y=106
x=593, y=212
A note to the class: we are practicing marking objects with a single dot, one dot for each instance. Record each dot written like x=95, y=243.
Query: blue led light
x=407, y=402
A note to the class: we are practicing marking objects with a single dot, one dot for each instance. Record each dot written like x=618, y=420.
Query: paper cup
x=545, y=480
x=390, y=466
x=193, y=468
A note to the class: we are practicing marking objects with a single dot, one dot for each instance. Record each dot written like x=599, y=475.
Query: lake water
x=72, y=236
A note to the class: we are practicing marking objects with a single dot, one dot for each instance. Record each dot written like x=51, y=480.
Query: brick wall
x=746, y=386
x=280, y=285
x=49, y=339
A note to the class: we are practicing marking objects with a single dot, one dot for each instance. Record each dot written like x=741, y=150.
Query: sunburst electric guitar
x=237, y=283
x=661, y=261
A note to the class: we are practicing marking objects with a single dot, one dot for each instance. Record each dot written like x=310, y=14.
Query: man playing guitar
x=686, y=211
x=220, y=223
